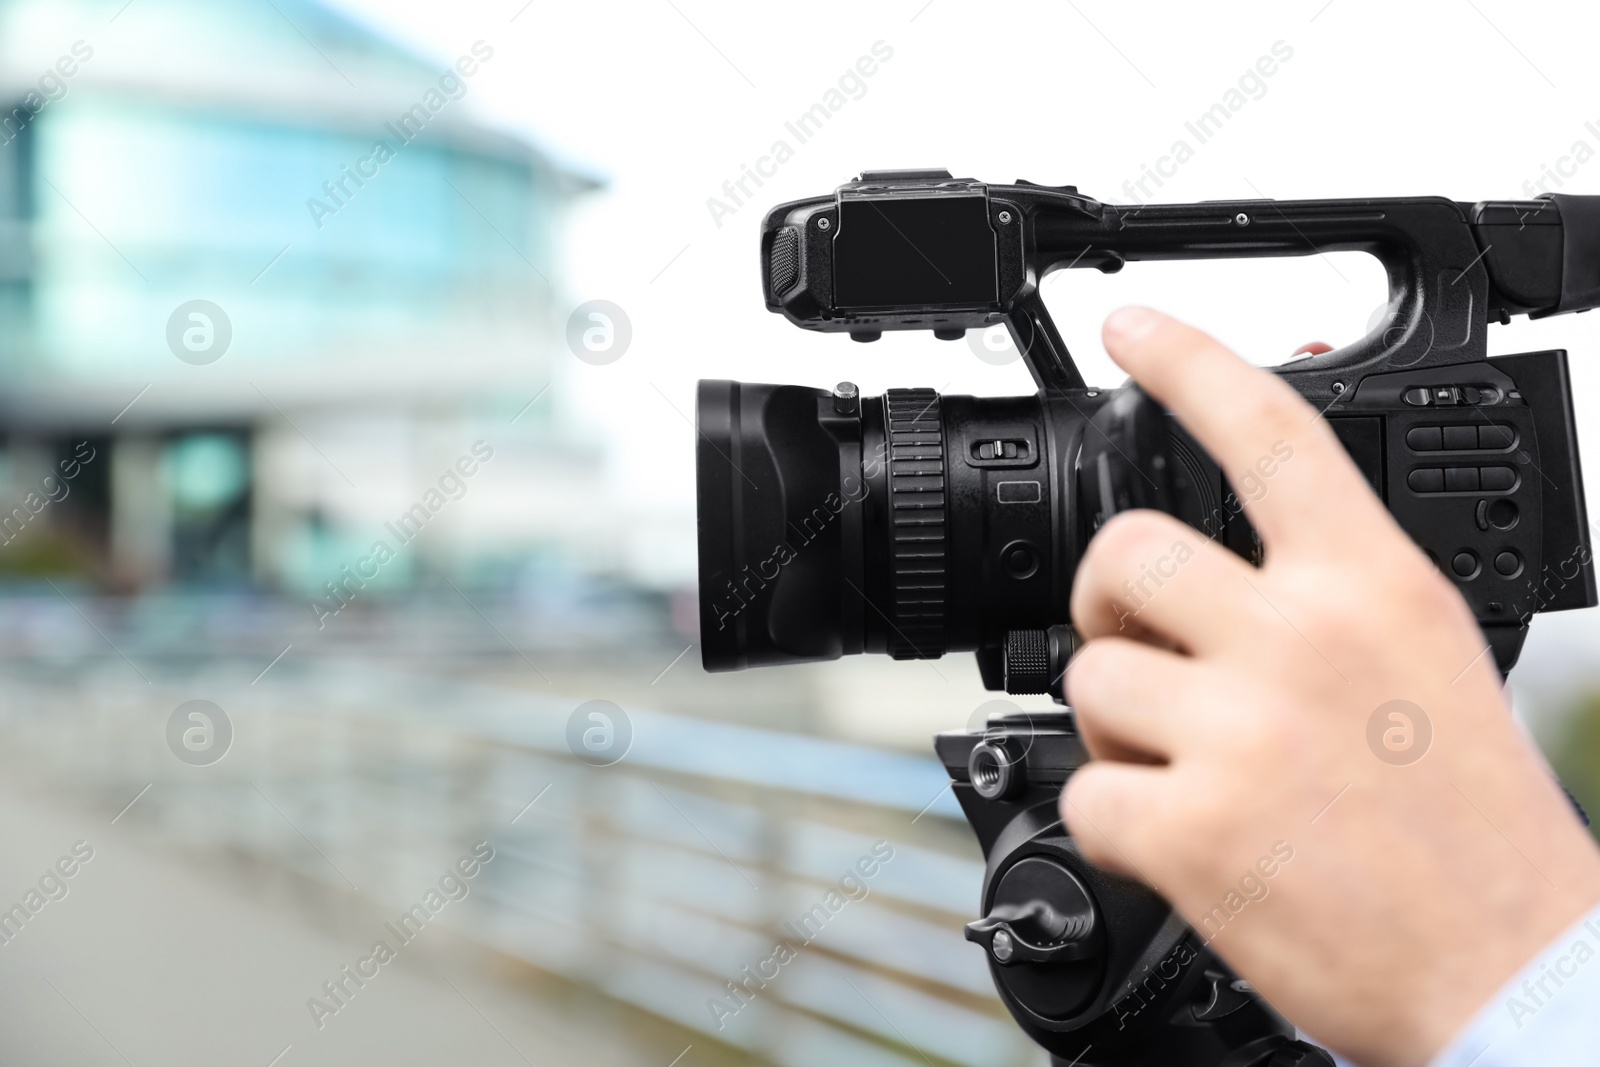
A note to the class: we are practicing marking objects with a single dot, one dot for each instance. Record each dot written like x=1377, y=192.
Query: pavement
x=151, y=957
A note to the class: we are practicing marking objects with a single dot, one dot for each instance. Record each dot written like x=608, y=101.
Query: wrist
x=1542, y=1012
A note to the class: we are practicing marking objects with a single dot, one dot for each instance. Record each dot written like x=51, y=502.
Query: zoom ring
x=917, y=551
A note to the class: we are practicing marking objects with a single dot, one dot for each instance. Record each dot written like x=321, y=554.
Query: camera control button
x=1457, y=438
x=1496, y=479
x=1020, y=560
x=1426, y=480
x=1508, y=564
x=1501, y=514
x=1461, y=479
x=1496, y=436
x=1417, y=396
x=1425, y=439
x=1465, y=564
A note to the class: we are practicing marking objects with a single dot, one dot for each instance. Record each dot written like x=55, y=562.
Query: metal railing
x=798, y=898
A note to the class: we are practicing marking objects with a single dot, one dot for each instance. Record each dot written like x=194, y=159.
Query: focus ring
x=918, y=582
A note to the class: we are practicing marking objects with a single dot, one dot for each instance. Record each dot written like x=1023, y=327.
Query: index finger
x=1295, y=480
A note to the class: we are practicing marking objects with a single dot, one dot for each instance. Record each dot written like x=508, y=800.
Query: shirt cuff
x=1547, y=1015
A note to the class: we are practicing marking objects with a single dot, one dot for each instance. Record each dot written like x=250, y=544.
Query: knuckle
x=1190, y=838
x=1407, y=578
x=1317, y=617
x=1096, y=809
x=1113, y=559
x=1079, y=795
x=1261, y=739
x=1217, y=798
x=1334, y=617
x=1091, y=673
x=1324, y=594
x=1096, y=735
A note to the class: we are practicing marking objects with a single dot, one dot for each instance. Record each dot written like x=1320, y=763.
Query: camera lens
x=776, y=492
x=885, y=524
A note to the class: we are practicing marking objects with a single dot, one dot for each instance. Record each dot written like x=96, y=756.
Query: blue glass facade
x=375, y=255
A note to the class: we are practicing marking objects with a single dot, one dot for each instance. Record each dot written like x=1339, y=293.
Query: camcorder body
x=916, y=524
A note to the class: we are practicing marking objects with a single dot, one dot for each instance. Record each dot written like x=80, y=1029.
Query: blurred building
x=265, y=282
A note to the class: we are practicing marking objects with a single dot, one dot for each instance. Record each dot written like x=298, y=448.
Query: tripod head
x=1096, y=968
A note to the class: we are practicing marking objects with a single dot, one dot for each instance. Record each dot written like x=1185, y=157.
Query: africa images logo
x=1399, y=732
x=599, y=733
x=199, y=732
x=199, y=332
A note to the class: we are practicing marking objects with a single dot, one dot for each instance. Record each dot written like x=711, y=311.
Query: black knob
x=1054, y=923
x=1027, y=661
x=1036, y=660
x=1299, y=1054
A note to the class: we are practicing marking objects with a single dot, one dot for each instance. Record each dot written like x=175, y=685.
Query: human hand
x=1233, y=718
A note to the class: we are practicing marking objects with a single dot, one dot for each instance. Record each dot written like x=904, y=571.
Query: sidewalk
x=151, y=959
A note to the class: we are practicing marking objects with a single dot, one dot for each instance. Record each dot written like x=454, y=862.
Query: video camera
x=917, y=524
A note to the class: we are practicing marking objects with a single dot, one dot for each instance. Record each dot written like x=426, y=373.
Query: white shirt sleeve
x=1547, y=1015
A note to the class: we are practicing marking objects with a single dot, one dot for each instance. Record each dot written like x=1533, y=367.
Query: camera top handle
x=1452, y=267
